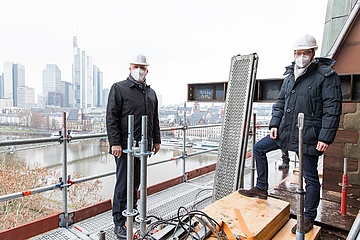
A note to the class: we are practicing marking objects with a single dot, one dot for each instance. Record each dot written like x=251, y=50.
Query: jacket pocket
x=309, y=135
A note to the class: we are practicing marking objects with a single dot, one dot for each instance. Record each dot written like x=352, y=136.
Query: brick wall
x=347, y=145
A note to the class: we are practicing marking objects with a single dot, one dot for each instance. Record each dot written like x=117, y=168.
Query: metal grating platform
x=233, y=143
x=60, y=233
x=195, y=193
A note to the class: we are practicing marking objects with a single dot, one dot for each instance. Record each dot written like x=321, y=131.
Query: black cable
x=183, y=220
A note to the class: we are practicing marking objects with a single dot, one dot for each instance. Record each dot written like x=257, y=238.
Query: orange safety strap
x=243, y=226
x=228, y=233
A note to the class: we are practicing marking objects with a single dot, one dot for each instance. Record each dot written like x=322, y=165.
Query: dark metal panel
x=267, y=90
x=207, y=92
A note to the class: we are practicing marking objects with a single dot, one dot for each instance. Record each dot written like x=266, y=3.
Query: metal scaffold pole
x=185, y=178
x=144, y=153
x=300, y=216
x=253, y=167
x=128, y=212
x=65, y=137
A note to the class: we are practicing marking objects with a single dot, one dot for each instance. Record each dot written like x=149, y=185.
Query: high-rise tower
x=51, y=79
x=82, y=77
x=14, y=77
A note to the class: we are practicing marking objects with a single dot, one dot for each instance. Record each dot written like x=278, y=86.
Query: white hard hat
x=305, y=42
x=139, y=59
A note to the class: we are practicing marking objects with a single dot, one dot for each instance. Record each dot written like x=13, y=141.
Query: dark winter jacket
x=126, y=98
x=317, y=94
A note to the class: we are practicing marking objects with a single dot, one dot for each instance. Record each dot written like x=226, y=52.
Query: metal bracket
x=185, y=177
x=66, y=219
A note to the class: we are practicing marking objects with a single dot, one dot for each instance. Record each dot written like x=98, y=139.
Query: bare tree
x=19, y=177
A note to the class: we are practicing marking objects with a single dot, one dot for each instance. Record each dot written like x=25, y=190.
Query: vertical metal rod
x=130, y=178
x=300, y=216
x=184, y=148
x=252, y=157
x=143, y=176
x=344, y=187
x=64, y=170
x=102, y=235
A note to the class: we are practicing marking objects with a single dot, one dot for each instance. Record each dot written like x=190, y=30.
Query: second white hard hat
x=305, y=42
x=139, y=59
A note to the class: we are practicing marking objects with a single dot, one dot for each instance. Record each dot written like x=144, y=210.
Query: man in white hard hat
x=313, y=88
x=130, y=97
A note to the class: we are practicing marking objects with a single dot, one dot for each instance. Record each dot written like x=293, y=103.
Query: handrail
x=70, y=182
x=67, y=138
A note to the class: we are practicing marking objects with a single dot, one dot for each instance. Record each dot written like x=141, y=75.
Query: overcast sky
x=187, y=41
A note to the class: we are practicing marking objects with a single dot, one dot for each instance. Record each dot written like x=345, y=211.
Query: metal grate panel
x=168, y=207
x=60, y=233
x=233, y=142
x=95, y=223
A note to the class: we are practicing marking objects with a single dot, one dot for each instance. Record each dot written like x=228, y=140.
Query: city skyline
x=186, y=42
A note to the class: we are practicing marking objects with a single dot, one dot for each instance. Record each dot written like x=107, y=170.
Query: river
x=88, y=158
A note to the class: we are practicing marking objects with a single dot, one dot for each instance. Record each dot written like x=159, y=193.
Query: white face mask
x=302, y=61
x=138, y=74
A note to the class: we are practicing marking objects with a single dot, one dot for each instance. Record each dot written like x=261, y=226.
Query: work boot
x=285, y=163
x=254, y=192
x=283, y=166
x=120, y=232
x=308, y=225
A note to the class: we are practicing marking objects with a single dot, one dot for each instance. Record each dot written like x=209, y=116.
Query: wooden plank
x=286, y=234
x=262, y=217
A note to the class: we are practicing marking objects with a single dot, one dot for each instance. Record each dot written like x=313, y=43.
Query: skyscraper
x=68, y=90
x=19, y=80
x=1, y=85
x=82, y=74
x=8, y=80
x=26, y=97
x=14, y=77
x=51, y=79
x=98, y=87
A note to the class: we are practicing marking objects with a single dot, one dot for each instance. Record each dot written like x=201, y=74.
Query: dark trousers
x=312, y=187
x=120, y=191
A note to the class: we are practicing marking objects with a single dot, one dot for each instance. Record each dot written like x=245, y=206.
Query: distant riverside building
x=68, y=90
x=14, y=77
x=6, y=102
x=82, y=77
x=40, y=100
x=26, y=97
x=105, y=96
x=19, y=80
x=51, y=79
x=55, y=99
x=1, y=85
x=98, y=87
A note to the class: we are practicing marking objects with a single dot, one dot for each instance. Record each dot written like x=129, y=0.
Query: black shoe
x=283, y=166
x=308, y=225
x=120, y=232
x=254, y=192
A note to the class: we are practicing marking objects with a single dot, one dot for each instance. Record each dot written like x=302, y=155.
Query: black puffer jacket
x=317, y=94
x=131, y=98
